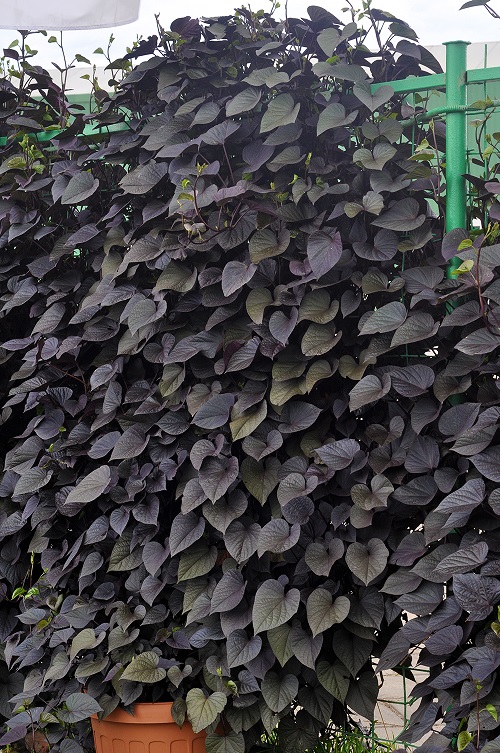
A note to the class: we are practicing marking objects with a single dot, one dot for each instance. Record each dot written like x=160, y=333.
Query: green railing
x=383, y=730
x=455, y=83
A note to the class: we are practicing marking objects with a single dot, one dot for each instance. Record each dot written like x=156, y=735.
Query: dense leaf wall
x=245, y=430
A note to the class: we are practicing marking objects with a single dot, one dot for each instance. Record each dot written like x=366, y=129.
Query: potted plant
x=217, y=454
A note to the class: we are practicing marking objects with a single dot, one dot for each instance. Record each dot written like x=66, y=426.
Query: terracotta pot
x=151, y=730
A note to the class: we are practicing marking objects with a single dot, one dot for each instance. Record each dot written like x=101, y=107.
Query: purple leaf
x=323, y=251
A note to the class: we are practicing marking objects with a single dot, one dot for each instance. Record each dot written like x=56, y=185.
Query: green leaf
x=257, y=302
x=281, y=111
x=465, y=267
x=372, y=202
x=319, y=370
x=144, y=668
x=265, y=244
x=342, y=71
x=463, y=740
x=242, y=426
x=334, y=678
x=83, y=640
x=376, y=159
x=319, y=339
x=196, y=561
x=321, y=557
x=233, y=742
x=317, y=307
x=59, y=666
x=80, y=187
x=281, y=392
x=373, y=101
x=89, y=488
x=172, y=378
x=177, y=277
x=121, y=558
x=280, y=641
x=78, y=706
x=334, y=116
x=278, y=693
x=244, y=101
x=272, y=607
x=260, y=478
x=88, y=668
x=202, y=710
x=179, y=709
x=323, y=612
x=492, y=711
x=368, y=561
x=385, y=319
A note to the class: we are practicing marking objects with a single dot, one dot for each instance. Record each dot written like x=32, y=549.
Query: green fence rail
x=455, y=83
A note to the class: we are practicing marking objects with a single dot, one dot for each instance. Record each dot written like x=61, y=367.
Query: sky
x=435, y=21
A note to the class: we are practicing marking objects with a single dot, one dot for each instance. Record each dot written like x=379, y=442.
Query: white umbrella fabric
x=67, y=14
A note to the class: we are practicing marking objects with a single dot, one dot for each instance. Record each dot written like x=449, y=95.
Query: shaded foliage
x=234, y=460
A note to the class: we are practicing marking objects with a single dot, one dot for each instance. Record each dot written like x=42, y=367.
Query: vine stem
x=228, y=163
x=478, y=720
x=478, y=283
x=72, y=376
x=492, y=11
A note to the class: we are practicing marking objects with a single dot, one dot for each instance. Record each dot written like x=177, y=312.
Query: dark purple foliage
x=245, y=431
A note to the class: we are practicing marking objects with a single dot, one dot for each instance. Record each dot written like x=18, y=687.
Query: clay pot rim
x=144, y=713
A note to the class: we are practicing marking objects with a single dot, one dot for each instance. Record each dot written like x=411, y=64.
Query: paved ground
x=390, y=711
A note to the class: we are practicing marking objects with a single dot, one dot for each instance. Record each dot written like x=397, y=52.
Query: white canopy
x=67, y=14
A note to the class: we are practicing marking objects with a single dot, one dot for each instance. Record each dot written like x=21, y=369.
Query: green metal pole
x=456, y=144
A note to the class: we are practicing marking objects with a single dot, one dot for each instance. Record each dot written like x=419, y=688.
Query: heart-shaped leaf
x=401, y=217
x=233, y=742
x=373, y=101
x=78, y=706
x=375, y=160
x=368, y=561
x=334, y=116
x=235, y=275
x=278, y=693
x=323, y=251
x=144, y=668
x=203, y=710
x=321, y=557
x=280, y=112
x=323, y=611
x=272, y=607
x=241, y=649
x=244, y=101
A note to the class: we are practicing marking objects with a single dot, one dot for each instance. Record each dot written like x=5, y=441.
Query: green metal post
x=456, y=143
